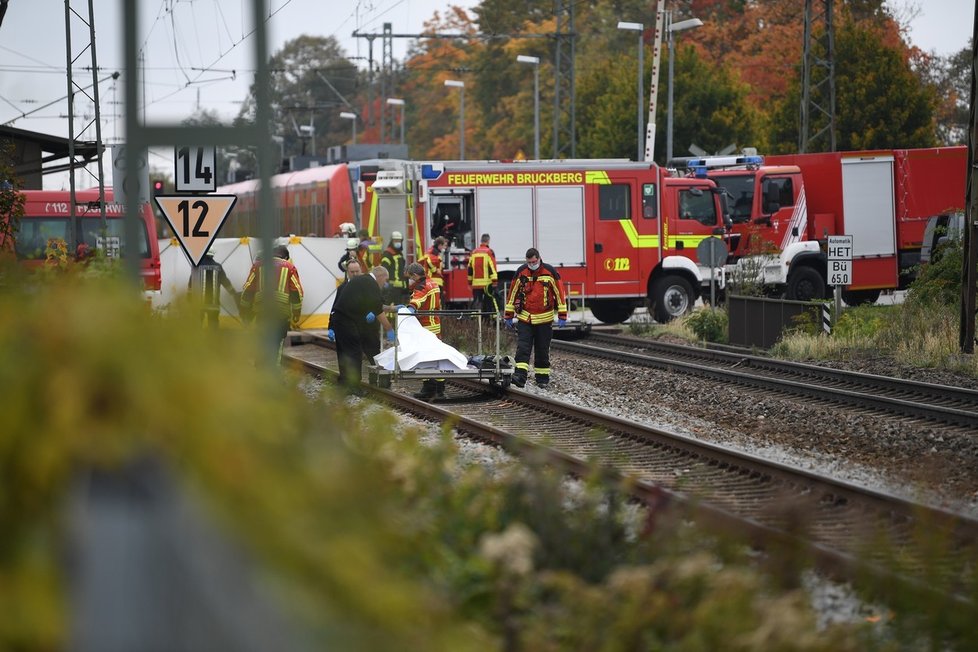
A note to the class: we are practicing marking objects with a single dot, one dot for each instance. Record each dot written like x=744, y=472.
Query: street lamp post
x=460, y=85
x=396, y=101
x=352, y=117
x=672, y=28
x=535, y=61
x=640, y=28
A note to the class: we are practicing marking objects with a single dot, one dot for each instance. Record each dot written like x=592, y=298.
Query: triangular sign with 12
x=196, y=220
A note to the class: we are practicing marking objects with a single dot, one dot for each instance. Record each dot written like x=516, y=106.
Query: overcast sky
x=199, y=52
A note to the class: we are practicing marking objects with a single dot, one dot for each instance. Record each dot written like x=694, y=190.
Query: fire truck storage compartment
x=550, y=218
x=451, y=217
x=867, y=206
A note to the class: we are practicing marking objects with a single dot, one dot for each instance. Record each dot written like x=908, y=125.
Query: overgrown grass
x=923, y=331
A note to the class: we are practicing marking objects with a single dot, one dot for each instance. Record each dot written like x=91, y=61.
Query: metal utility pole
x=386, y=80
x=76, y=234
x=817, y=132
x=966, y=338
x=564, y=118
x=565, y=133
x=654, y=83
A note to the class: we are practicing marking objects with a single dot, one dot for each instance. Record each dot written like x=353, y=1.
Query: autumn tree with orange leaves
x=737, y=80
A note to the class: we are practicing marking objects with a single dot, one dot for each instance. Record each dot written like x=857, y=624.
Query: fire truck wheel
x=672, y=297
x=611, y=311
x=805, y=284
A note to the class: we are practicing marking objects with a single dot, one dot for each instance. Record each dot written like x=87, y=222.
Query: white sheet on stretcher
x=419, y=349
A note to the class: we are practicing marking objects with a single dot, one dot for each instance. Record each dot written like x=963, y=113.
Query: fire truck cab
x=619, y=233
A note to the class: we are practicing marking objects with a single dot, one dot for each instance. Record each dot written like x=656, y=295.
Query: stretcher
x=419, y=355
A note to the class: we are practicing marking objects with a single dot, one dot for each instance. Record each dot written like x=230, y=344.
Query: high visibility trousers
x=485, y=299
x=535, y=338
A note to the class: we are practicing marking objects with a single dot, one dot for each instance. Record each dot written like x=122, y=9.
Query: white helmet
x=352, y=243
x=396, y=235
x=348, y=229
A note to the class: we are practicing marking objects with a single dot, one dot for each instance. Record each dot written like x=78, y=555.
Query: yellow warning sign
x=196, y=219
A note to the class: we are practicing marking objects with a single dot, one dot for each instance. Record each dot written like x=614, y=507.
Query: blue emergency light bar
x=432, y=170
x=699, y=166
x=724, y=161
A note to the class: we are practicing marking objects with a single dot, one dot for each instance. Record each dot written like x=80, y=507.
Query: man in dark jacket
x=207, y=279
x=356, y=312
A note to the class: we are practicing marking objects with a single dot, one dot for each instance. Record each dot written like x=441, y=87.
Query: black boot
x=519, y=379
x=427, y=390
x=439, y=390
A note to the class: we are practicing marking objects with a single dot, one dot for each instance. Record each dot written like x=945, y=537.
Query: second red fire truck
x=784, y=207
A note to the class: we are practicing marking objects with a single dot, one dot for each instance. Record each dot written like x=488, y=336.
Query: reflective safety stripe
x=523, y=366
x=540, y=371
x=689, y=241
x=638, y=241
x=597, y=177
x=537, y=318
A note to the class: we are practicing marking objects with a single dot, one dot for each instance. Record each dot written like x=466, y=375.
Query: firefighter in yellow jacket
x=483, y=277
x=535, y=298
x=288, y=293
x=426, y=297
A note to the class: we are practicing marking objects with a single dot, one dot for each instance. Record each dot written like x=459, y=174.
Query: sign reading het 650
x=840, y=259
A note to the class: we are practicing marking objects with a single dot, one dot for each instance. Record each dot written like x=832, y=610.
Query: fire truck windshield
x=740, y=195
x=34, y=233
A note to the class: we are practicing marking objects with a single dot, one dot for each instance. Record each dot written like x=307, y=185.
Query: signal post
x=196, y=216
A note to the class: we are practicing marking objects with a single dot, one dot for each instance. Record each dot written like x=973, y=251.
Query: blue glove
x=411, y=309
x=561, y=323
x=398, y=307
x=509, y=323
x=330, y=335
x=371, y=317
x=391, y=335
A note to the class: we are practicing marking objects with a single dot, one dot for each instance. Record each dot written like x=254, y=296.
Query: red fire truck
x=47, y=216
x=620, y=233
x=785, y=206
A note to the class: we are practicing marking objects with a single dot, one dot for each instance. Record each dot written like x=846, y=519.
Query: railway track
x=953, y=408
x=845, y=529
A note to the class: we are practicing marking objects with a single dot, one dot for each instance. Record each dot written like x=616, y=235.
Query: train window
x=650, y=209
x=613, y=202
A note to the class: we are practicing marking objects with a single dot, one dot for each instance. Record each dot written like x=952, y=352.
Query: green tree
x=312, y=81
x=712, y=108
x=433, y=109
x=951, y=79
x=880, y=102
x=11, y=200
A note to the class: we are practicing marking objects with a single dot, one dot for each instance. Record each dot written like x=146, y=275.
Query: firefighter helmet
x=396, y=235
x=352, y=243
x=348, y=229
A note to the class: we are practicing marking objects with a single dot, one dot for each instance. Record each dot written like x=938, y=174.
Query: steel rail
x=769, y=503
x=881, y=393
